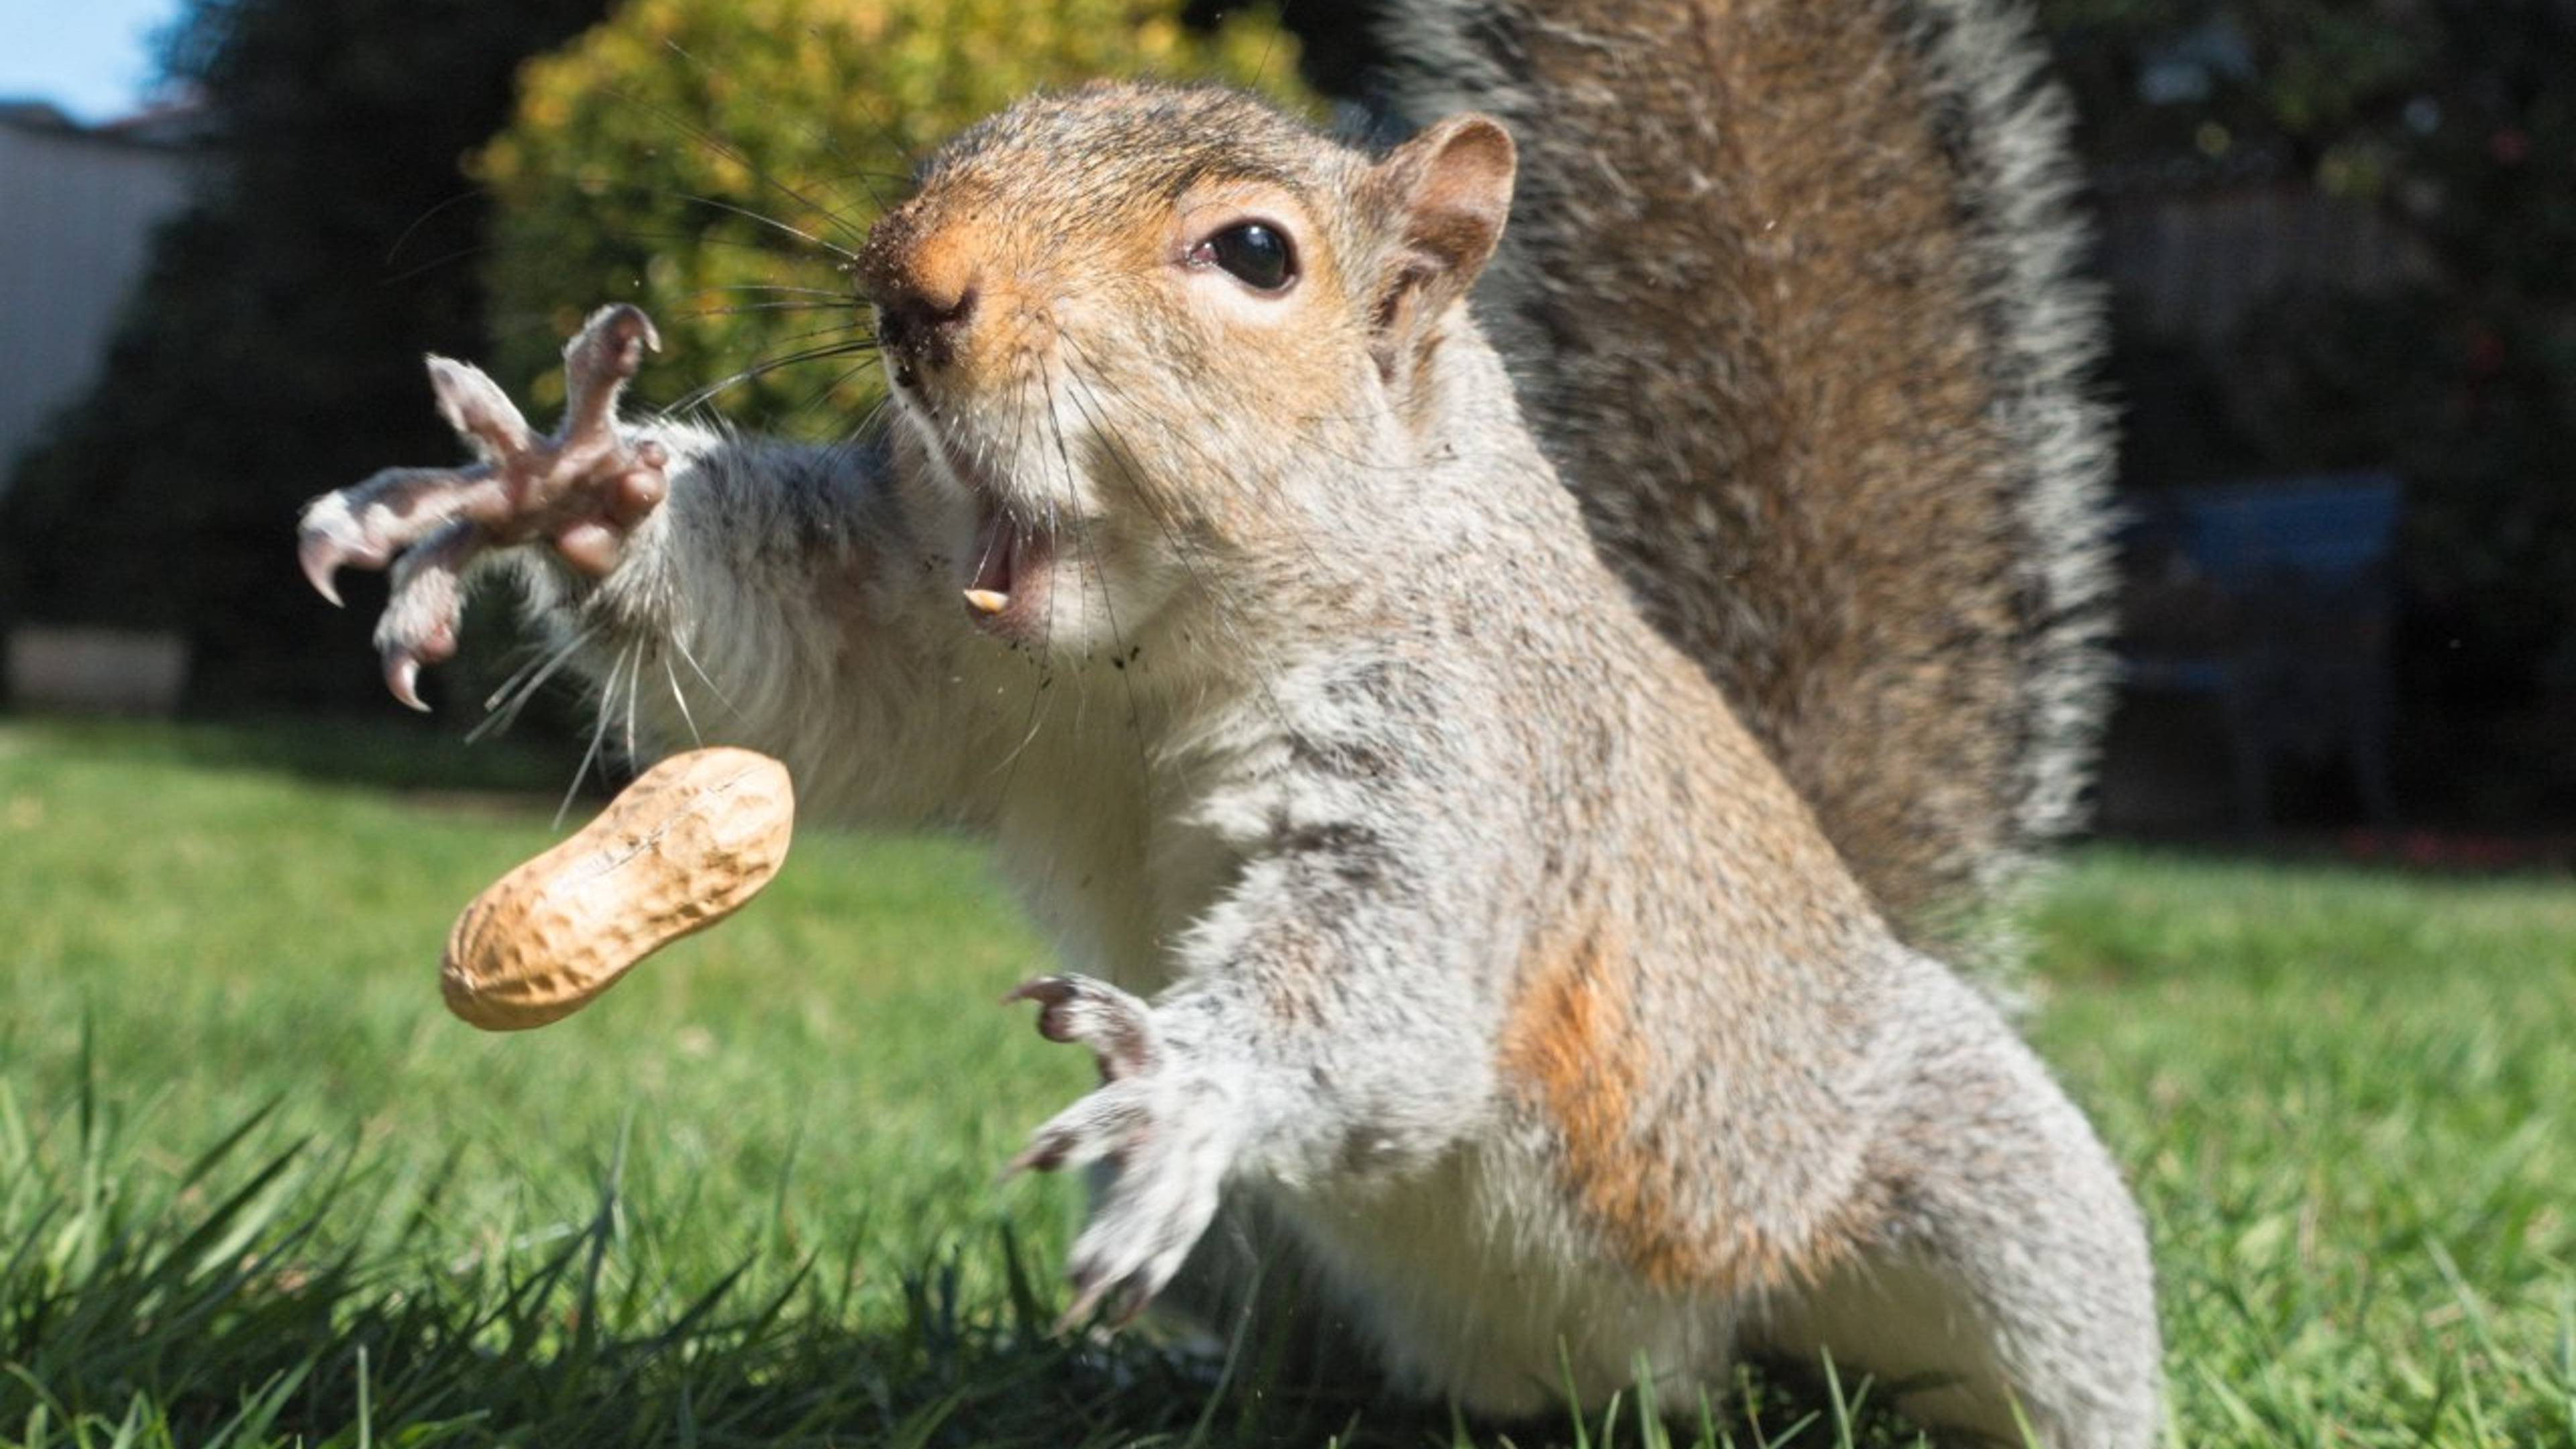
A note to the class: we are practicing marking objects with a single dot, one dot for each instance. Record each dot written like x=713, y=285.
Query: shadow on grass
x=401, y=753
x=210, y=1306
x=2412, y=852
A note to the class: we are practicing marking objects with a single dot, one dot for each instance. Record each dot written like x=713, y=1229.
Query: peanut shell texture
x=687, y=844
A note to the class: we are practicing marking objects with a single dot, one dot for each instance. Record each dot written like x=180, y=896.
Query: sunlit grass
x=257, y=1188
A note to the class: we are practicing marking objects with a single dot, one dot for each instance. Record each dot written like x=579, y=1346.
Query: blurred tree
x=274, y=350
x=712, y=159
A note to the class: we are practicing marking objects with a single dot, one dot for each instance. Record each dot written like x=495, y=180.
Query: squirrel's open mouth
x=1010, y=562
x=1012, y=567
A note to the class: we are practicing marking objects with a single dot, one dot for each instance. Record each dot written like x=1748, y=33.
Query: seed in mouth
x=1002, y=556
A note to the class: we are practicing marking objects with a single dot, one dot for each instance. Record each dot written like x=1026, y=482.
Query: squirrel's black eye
x=1255, y=252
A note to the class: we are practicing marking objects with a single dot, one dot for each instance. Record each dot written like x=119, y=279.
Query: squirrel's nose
x=920, y=327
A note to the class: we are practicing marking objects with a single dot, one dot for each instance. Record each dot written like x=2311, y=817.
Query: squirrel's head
x=1145, y=337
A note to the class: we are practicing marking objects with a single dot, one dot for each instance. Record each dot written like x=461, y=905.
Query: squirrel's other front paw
x=1166, y=1125
x=583, y=488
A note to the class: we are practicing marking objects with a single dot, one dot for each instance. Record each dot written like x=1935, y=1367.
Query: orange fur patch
x=1652, y=1184
x=1570, y=1044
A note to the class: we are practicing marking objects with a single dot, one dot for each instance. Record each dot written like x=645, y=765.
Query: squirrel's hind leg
x=2007, y=1283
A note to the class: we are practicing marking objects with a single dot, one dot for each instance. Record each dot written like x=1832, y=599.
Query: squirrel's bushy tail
x=1789, y=291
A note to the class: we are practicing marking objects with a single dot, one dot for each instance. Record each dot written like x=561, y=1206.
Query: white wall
x=77, y=211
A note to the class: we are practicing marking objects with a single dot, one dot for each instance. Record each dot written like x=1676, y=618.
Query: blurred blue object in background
x=2275, y=598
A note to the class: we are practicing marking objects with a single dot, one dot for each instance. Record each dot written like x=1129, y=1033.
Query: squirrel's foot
x=583, y=488
x=1167, y=1129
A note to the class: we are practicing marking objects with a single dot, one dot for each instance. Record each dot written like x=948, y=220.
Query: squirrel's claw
x=402, y=676
x=1116, y=1309
x=581, y=489
x=1167, y=1138
x=321, y=556
x=1166, y=1127
x=1102, y=1124
x=422, y=618
x=396, y=509
x=1167, y=1144
x=598, y=362
x=340, y=529
x=1114, y=1024
x=476, y=407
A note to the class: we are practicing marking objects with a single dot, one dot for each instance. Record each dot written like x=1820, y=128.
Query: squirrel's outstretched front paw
x=582, y=488
x=1167, y=1127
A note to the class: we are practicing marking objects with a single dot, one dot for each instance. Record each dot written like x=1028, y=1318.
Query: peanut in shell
x=686, y=845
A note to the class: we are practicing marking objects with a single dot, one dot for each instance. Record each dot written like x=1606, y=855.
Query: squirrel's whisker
x=766, y=366
x=679, y=642
x=781, y=287
x=526, y=684
x=1223, y=608
x=598, y=733
x=824, y=136
x=634, y=688
x=678, y=697
x=735, y=154
x=747, y=214
x=749, y=309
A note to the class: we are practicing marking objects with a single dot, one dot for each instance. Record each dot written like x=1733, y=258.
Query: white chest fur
x=1473, y=1283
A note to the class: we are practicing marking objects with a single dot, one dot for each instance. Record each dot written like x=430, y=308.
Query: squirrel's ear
x=1441, y=198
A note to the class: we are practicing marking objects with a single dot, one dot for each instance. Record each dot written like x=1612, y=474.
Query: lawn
x=257, y=1188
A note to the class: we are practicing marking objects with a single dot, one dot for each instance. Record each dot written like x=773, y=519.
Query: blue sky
x=93, y=58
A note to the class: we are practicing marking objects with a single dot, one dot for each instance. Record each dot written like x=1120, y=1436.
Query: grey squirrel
x=1367, y=750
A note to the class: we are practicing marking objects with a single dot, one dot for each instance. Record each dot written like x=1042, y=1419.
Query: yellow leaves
x=639, y=149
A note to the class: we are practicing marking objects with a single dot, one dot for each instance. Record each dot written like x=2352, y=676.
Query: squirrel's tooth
x=987, y=601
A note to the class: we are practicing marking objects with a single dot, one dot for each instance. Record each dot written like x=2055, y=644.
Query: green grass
x=257, y=1188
